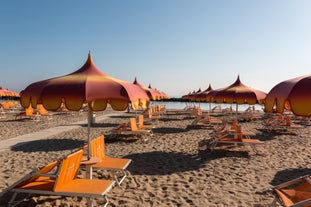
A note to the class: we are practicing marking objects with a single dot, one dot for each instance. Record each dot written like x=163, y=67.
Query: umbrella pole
x=236, y=112
x=89, y=119
x=236, y=120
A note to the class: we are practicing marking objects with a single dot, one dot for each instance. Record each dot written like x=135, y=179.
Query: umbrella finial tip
x=89, y=55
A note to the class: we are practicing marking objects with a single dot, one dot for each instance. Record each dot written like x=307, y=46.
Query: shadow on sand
x=289, y=174
x=48, y=145
x=162, y=163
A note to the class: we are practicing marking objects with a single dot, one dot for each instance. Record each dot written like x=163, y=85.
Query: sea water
x=204, y=106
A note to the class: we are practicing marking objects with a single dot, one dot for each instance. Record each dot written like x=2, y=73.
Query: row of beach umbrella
x=6, y=93
x=293, y=94
x=153, y=94
x=237, y=93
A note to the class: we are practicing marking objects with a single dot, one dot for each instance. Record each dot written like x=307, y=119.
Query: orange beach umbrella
x=210, y=96
x=152, y=94
x=239, y=93
x=293, y=94
x=192, y=96
x=7, y=93
x=88, y=85
x=161, y=93
x=201, y=96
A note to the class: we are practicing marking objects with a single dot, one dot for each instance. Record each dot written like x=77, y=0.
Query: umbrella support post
x=89, y=120
x=236, y=112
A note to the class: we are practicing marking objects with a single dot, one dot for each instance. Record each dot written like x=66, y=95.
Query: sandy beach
x=168, y=168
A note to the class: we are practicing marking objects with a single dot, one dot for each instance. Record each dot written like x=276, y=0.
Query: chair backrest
x=234, y=125
x=287, y=121
x=47, y=168
x=42, y=170
x=98, y=147
x=29, y=111
x=5, y=105
x=239, y=132
x=285, y=200
x=199, y=112
x=149, y=113
x=41, y=109
x=133, y=124
x=140, y=120
x=11, y=103
x=68, y=169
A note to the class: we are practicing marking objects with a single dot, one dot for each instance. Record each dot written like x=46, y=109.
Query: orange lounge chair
x=161, y=108
x=280, y=124
x=42, y=110
x=195, y=112
x=289, y=123
x=141, y=124
x=152, y=115
x=221, y=137
x=45, y=170
x=117, y=165
x=293, y=193
x=135, y=129
x=5, y=105
x=63, y=182
x=205, y=121
x=28, y=113
x=234, y=129
x=216, y=109
x=121, y=127
x=130, y=128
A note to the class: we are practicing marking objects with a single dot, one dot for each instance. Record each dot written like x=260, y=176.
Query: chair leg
x=89, y=202
x=212, y=144
x=116, y=177
x=274, y=202
x=12, y=201
x=106, y=201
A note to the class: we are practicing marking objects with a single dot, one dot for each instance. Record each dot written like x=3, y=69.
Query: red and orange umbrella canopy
x=186, y=97
x=86, y=85
x=152, y=94
x=202, y=95
x=193, y=95
x=7, y=93
x=161, y=94
x=293, y=94
x=164, y=95
x=210, y=96
x=239, y=93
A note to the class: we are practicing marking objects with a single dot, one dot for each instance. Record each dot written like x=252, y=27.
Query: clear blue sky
x=175, y=45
